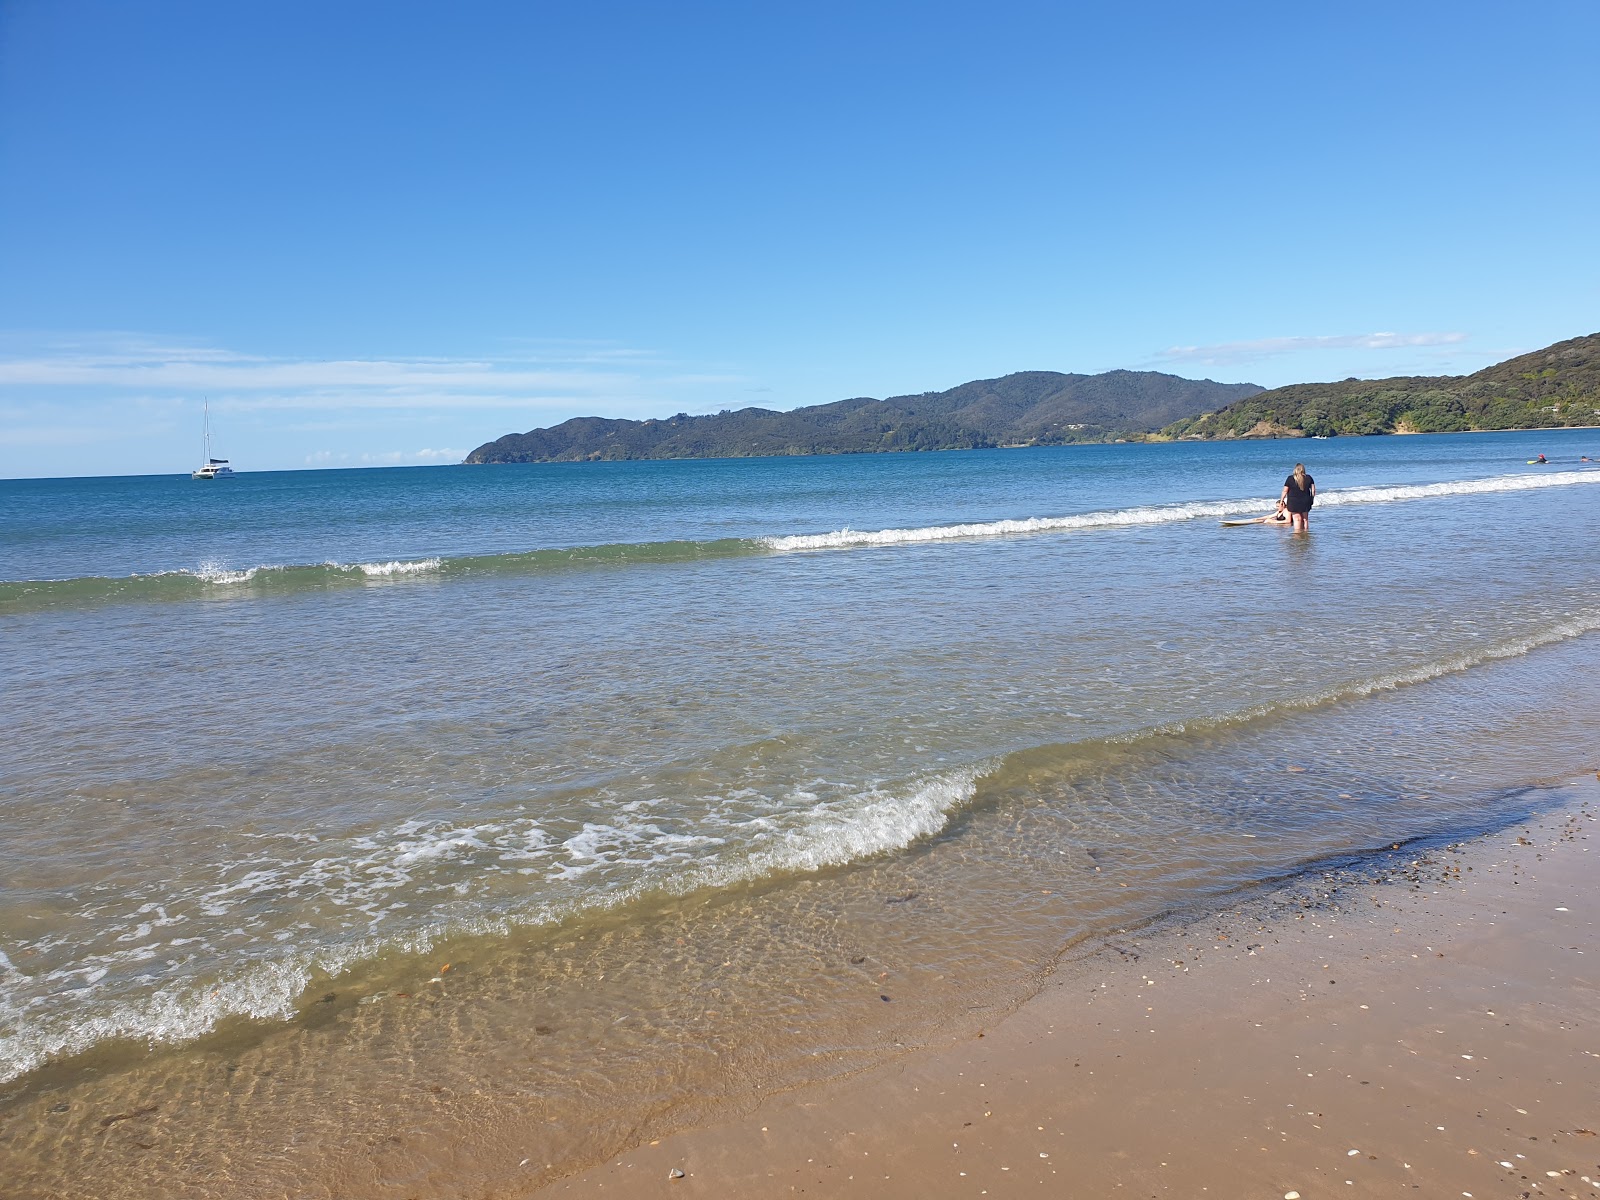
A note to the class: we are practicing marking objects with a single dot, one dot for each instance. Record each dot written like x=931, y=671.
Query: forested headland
x=1550, y=388
x=1030, y=408
x=1547, y=389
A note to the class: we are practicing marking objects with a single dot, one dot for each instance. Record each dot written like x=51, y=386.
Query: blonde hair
x=1300, y=475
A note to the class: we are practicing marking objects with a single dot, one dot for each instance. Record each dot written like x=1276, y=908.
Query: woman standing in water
x=1299, y=493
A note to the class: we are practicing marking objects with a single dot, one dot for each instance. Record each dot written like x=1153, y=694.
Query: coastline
x=1411, y=1026
x=1124, y=437
x=1301, y=436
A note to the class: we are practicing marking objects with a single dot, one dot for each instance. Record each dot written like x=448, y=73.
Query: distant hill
x=1554, y=387
x=1030, y=408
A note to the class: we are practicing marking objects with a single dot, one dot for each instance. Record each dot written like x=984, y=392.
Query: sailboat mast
x=206, y=427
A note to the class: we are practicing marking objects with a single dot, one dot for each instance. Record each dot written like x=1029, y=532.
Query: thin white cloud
x=194, y=374
x=559, y=377
x=401, y=399
x=114, y=347
x=389, y=458
x=400, y=457
x=65, y=389
x=1228, y=353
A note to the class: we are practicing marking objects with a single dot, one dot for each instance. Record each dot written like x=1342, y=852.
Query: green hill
x=1554, y=387
x=1030, y=408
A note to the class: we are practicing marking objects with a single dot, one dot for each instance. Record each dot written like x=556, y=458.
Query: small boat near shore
x=213, y=468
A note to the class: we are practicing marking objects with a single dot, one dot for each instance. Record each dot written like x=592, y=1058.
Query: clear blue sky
x=386, y=231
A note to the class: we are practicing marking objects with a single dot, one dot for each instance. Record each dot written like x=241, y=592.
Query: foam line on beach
x=1560, y=631
x=1061, y=759
x=1057, y=755
x=848, y=827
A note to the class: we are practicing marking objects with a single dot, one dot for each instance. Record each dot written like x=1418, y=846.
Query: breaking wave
x=62, y=1014
x=218, y=581
x=1161, y=514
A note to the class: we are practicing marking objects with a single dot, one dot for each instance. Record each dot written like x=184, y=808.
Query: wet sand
x=1425, y=1026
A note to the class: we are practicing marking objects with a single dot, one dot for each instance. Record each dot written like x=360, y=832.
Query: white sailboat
x=214, y=468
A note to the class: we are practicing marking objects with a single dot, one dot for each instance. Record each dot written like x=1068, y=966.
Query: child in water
x=1280, y=516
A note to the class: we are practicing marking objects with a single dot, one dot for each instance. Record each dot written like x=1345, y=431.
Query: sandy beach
x=1425, y=1025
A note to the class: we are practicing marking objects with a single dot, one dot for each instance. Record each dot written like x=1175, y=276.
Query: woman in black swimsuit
x=1299, y=493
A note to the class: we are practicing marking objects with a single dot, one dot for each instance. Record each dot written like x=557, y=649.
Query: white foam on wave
x=1144, y=515
x=1383, y=494
x=631, y=855
x=68, y=1010
x=177, y=1013
x=875, y=822
x=439, y=846
x=854, y=824
x=215, y=573
x=625, y=842
x=1159, y=514
x=385, y=569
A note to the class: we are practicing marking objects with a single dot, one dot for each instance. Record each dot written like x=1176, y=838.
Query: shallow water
x=683, y=766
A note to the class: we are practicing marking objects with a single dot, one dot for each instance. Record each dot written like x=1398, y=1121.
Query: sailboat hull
x=214, y=468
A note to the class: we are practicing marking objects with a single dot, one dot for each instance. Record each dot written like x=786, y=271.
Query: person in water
x=1299, y=494
x=1279, y=516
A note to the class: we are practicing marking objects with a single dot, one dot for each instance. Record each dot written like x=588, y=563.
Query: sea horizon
x=1136, y=439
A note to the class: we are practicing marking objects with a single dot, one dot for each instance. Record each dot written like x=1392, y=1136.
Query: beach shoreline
x=1406, y=1027
x=480, y=877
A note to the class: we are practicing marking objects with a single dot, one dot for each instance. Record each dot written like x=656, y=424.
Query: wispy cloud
x=1230, y=353
x=393, y=458
x=543, y=376
x=123, y=362
x=84, y=389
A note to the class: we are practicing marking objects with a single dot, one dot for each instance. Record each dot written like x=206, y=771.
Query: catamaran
x=214, y=468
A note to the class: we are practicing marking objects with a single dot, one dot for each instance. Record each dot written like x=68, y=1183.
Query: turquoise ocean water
x=677, y=764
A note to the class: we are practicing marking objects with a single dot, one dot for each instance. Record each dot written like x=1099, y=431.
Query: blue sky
x=388, y=232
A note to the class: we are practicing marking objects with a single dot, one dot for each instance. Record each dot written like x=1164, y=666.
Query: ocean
x=427, y=831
